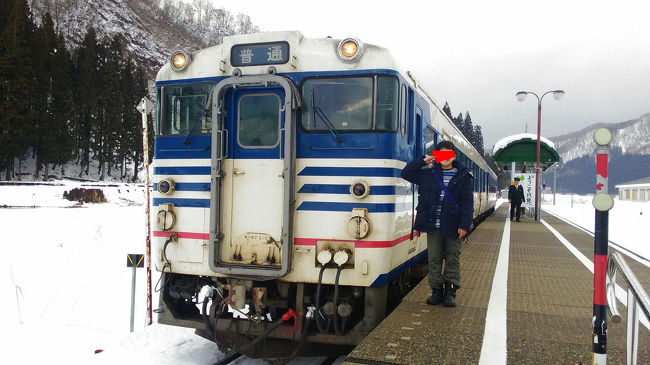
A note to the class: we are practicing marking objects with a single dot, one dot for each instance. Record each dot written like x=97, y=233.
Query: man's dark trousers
x=515, y=208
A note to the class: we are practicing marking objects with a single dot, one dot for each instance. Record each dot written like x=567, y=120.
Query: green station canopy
x=522, y=150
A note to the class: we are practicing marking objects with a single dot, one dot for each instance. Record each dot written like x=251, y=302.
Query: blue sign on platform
x=254, y=54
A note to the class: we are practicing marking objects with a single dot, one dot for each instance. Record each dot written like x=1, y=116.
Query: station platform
x=542, y=315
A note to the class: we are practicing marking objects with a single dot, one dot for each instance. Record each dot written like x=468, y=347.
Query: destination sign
x=254, y=54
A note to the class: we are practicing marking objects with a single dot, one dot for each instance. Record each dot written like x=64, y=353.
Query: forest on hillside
x=71, y=102
x=58, y=104
x=67, y=102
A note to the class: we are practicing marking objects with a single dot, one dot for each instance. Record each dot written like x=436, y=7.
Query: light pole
x=521, y=96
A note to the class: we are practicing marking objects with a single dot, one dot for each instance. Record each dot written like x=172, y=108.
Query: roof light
x=350, y=50
x=180, y=60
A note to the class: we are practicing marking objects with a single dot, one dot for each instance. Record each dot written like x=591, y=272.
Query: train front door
x=257, y=179
x=253, y=181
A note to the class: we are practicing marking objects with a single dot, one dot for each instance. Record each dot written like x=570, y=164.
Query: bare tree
x=223, y=20
x=200, y=7
x=245, y=25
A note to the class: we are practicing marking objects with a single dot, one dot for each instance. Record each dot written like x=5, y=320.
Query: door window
x=259, y=120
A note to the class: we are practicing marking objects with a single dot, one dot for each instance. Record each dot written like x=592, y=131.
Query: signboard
x=528, y=183
x=145, y=106
x=254, y=54
x=133, y=259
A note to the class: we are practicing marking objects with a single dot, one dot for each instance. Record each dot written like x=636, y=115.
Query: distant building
x=638, y=190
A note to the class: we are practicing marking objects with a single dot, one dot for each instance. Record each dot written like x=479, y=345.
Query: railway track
x=239, y=359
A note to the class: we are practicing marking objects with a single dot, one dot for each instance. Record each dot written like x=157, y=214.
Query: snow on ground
x=66, y=287
x=67, y=290
x=628, y=220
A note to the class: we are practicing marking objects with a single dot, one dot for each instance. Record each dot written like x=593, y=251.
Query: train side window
x=156, y=125
x=387, y=113
x=476, y=176
x=485, y=181
x=430, y=143
x=404, y=110
x=409, y=107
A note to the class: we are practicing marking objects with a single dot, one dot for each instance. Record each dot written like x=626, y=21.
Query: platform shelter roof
x=522, y=150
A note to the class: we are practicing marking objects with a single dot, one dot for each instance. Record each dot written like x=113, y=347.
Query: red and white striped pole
x=603, y=202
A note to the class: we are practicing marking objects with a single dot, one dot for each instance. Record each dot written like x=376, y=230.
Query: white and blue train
x=277, y=186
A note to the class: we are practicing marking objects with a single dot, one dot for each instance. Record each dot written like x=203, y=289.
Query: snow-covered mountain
x=632, y=137
x=150, y=31
x=629, y=157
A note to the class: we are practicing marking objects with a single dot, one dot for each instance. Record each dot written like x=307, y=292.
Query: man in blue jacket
x=446, y=219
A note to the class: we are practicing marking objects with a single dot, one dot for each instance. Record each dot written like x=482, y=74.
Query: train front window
x=338, y=103
x=350, y=103
x=183, y=109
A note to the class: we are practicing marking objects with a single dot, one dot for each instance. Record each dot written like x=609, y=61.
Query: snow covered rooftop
x=506, y=141
x=636, y=183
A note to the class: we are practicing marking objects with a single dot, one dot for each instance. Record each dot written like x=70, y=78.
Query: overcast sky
x=477, y=54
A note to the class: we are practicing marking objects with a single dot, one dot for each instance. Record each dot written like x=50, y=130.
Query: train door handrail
x=636, y=297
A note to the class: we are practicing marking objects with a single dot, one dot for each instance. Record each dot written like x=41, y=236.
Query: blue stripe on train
x=347, y=207
x=345, y=189
x=376, y=145
x=182, y=170
x=181, y=202
x=350, y=171
x=170, y=147
x=384, y=279
x=188, y=186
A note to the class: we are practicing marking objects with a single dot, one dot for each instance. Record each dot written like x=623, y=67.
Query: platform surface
x=549, y=304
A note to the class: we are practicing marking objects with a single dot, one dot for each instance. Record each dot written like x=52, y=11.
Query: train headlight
x=180, y=60
x=166, y=186
x=360, y=189
x=350, y=50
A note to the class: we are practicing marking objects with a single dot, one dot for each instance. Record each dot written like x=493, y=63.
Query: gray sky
x=477, y=54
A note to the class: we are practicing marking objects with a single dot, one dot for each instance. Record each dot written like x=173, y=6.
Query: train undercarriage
x=272, y=318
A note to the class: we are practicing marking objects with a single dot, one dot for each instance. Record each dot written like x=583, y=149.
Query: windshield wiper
x=316, y=111
x=189, y=135
x=206, y=110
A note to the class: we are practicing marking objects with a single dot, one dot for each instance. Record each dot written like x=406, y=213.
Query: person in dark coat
x=446, y=219
x=516, y=197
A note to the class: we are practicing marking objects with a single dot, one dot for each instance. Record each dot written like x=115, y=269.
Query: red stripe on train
x=297, y=241
x=189, y=235
x=357, y=244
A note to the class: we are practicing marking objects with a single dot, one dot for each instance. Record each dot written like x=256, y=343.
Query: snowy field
x=628, y=220
x=67, y=288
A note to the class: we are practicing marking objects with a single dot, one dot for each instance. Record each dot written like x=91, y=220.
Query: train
x=279, y=213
